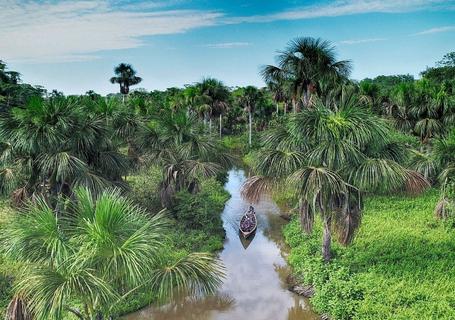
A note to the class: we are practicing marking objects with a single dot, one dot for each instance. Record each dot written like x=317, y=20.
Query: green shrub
x=198, y=217
x=144, y=188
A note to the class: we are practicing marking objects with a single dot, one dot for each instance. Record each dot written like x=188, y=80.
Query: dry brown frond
x=17, y=310
x=255, y=187
x=443, y=208
x=19, y=196
x=415, y=182
x=306, y=217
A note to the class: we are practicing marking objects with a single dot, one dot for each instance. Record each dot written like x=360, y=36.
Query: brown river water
x=255, y=286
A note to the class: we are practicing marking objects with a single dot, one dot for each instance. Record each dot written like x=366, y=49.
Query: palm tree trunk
x=327, y=238
x=277, y=108
x=220, y=124
x=250, y=121
x=294, y=105
x=123, y=98
x=306, y=96
x=210, y=125
x=285, y=108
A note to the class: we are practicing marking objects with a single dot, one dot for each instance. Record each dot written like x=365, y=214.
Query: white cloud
x=64, y=30
x=228, y=45
x=359, y=41
x=72, y=31
x=435, y=30
x=344, y=7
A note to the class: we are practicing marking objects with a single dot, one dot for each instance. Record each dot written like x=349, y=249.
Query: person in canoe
x=248, y=222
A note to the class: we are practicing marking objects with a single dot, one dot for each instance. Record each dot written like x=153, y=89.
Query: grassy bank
x=400, y=265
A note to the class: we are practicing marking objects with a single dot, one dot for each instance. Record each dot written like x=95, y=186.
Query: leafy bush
x=144, y=188
x=400, y=266
x=198, y=216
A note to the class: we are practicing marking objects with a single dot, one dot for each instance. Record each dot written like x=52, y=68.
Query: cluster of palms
x=64, y=161
x=50, y=147
x=208, y=100
x=422, y=108
x=176, y=142
x=12, y=91
x=332, y=151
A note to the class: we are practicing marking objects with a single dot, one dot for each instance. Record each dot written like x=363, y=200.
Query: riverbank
x=400, y=266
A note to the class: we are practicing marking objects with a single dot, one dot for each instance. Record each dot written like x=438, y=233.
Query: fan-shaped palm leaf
x=195, y=273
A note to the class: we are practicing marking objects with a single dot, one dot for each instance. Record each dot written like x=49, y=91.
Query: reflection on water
x=255, y=286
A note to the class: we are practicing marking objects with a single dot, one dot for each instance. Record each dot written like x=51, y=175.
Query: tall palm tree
x=249, y=98
x=103, y=249
x=331, y=155
x=280, y=93
x=125, y=76
x=304, y=63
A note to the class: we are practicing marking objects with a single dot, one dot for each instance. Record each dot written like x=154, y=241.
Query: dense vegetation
x=338, y=159
x=398, y=267
x=120, y=196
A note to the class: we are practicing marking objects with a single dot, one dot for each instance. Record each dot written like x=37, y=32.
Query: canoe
x=248, y=224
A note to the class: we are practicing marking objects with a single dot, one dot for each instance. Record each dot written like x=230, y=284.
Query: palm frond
x=257, y=186
x=35, y=235
x=195, y=273
x=317, y=186
x=415, y=183
x=18, y=310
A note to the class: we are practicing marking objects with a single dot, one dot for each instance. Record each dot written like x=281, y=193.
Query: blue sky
x=73, y=46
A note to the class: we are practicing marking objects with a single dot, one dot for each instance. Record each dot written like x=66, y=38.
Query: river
x=255, y=286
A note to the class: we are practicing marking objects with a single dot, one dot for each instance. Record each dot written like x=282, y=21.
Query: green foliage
x=330, y=155
x=7, y=268
x=51, y=146
x=198, y=217
x=102, y=248
x=398, y=267
x=13, y=92
x=144, y=188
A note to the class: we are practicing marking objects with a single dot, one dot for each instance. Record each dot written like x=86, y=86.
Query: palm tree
x=444, y=154
x=331, y=155
x=249, y=98
x=423, y=109
x=213, y=99
x=304, y=63
x=53, y=146
x=103, y=249
x=175, y=141
x=125, y=76
x=280, y=93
